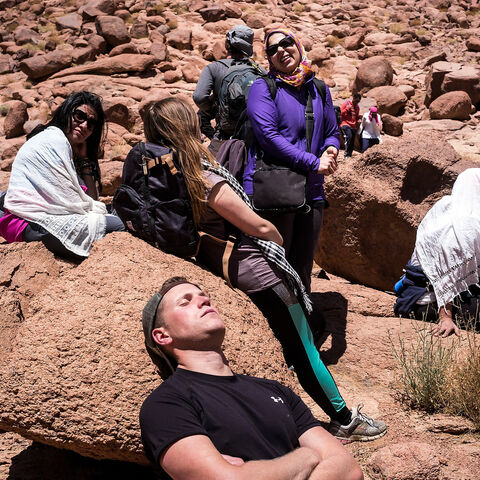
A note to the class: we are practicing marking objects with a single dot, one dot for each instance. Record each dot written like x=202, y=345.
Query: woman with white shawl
x=52, y=194
x=447, y=247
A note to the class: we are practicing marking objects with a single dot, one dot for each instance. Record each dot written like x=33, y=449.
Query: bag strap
x=145, y=189
x=227, y=252
x=309, y=121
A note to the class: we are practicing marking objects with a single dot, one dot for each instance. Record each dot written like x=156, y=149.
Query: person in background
x=239, y=45
x=370, y=128
x=350, y=116
x=52, y=195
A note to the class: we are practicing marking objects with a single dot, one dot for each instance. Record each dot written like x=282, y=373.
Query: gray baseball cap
x=240, y=37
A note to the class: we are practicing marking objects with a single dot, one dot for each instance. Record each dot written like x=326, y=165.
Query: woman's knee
x=113, y=224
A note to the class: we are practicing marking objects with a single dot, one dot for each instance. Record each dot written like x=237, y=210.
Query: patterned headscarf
x=304, y=70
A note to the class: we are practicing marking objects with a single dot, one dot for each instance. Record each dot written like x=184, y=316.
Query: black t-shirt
x=246, y=417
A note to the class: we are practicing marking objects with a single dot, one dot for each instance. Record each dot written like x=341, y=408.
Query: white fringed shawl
x=448, y=239
x=44, y=188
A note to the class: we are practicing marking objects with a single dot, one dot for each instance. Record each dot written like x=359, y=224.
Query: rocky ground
x=360, y=333
x=418, y=61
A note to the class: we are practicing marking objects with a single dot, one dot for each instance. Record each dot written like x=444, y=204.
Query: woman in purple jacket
x=279, y=129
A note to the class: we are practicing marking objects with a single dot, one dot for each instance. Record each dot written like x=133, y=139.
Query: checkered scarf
x=270, y=250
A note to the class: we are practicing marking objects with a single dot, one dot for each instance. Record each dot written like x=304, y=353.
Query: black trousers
x=349, y=137
x=297, y=345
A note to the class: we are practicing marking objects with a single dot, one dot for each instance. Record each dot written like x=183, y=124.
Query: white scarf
x=44, y=188
x=448, y=239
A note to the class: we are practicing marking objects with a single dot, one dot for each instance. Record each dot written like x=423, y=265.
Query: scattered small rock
x=16, y=117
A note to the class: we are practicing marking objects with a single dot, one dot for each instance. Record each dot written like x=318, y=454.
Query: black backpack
x=338, y=114
x=244, y=129
x=232, y=92
x=153, y=201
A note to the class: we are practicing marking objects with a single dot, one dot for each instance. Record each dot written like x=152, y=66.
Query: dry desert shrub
x=464, y=383
x=440, y=375
x=424, y=364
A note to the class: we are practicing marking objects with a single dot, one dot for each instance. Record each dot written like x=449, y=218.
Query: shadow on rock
x=329, y=319
x=42, y=462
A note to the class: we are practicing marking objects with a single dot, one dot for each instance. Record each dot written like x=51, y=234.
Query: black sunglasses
x=80, y=117
x=284, y=43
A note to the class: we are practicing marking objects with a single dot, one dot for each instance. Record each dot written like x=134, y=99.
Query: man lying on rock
x=206, y=422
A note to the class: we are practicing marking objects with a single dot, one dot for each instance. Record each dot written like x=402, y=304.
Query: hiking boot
x=362, y=428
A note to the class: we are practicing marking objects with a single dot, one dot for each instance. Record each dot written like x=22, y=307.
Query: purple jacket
x=279, y=128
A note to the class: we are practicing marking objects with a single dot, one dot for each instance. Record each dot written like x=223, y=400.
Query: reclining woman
x=52, y=194
x=443, y=273
x=219, y=204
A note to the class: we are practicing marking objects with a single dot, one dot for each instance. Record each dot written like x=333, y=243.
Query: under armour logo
x=277, y=399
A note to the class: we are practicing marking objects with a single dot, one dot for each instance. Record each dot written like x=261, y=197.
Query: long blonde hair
x=173, y=123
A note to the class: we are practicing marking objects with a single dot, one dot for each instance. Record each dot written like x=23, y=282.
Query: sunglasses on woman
x=284, y=43
x=80, y=116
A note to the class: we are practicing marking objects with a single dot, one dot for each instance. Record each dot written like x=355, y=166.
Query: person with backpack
x=52, y=195
x=350, y=116
x=294, y=129
x=244, y=248
x=223, y=86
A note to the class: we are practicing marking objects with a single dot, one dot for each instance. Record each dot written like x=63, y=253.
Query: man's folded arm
x=196, y=458
x=336, y=462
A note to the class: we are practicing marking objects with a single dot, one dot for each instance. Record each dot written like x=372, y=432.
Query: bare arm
x=196, y=458
x=336, y=462
x=233, y=209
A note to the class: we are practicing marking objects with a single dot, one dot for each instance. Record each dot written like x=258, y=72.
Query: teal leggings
x=289, y=324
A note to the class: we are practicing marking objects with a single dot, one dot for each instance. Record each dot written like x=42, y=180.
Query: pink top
x=12, y=227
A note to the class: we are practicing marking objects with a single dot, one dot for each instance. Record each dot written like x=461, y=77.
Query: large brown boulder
x=389, y=99
x=377, y=201
x=473, y=44
x=43, y=65
x=180, y=38
x=392, y=125
x=454, y=105
x=15, y=119
x=26, y=35
x=112, y=29
x=446, y=77
x=95, y=8
x=126, y=62
x=7, y=64
x=73, y=367
x=71, y=21
x=373, y=72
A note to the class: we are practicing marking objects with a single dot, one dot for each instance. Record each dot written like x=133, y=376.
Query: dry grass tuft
x=440, y=375
x=397, y=28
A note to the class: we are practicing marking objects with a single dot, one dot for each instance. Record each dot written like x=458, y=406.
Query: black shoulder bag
x=277, y=188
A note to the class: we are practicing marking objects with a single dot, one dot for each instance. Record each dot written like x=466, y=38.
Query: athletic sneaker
x=362, y=428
